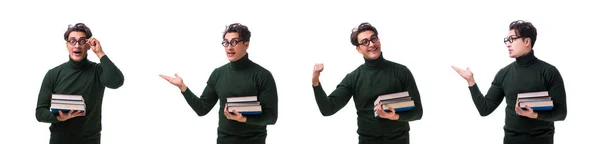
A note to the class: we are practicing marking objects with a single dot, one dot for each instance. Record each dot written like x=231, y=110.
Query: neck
x=241, y=63
x=526, y=59
x=375, y=63
x=78, y=64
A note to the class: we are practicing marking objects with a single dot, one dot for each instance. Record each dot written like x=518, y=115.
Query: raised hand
x=63, y=117
x=94, y=44
x=236, y=116
x=388, y=115
x=316, y=73
x=466, y=74
x=177, y=81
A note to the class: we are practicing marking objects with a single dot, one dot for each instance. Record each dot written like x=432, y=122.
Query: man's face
x=77, y=45
x=234, y=48
x=369, y=45
x=517, y=46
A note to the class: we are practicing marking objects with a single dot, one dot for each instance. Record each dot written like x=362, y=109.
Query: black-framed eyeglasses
x=511, y=39
x=366, y=42
x=81, y=41
x=233, y=42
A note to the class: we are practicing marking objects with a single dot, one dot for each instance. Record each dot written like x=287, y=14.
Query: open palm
x=177, y=81
x=466, y=74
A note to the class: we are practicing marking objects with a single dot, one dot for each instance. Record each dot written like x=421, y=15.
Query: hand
x=466, y=74
x=236, y=116
x=96, y=47
x=388, y=115
x=177, y=81
x=63, y=117
x=316, y=73
x=528, y=112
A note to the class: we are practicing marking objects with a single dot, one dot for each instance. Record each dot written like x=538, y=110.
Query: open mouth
x=230, y=54
x=373, y=50
x=77, y=52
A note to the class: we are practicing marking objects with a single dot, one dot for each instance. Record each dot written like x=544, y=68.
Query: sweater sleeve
x=203, y=104
x=488, y=103
x=329, y=105
x=110, y=75
x=42, y=111
x=268, y=99
x=409, y=84
x=556, y=90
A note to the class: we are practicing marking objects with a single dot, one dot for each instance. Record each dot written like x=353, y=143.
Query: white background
x=145, y=39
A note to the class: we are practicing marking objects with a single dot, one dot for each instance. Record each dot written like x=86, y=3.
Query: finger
x=75, y=113
x=392, y=109
x=528, y=108
x=458, y=70
x=165, y=77
x=60, y=113
x=236, y=113
x=70, y=112
x=468, y=69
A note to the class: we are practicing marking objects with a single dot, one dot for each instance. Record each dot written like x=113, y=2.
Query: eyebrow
x=76, y=38
x=231, y=38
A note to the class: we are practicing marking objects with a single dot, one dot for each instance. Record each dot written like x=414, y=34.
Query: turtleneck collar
x=78, y=64
x=375, y=63
x=241, y=63
x=527, y=59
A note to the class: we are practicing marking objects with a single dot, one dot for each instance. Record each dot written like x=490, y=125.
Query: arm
x=556, y=90
x=203, y=104
x=268, y=101
x=42, y=111
x=110, y=75
x=409, y=84
x=329, y=105
x=488, y=103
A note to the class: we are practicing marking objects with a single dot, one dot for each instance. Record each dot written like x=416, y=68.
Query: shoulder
x=261, y=71
x=548, y=69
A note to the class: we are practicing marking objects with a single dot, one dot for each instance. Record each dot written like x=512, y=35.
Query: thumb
x=176, y=75
x=468, y=69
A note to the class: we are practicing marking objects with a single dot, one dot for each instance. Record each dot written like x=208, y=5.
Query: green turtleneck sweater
x=364, y=84
x=84, y=78
x=526, y=74
x=236, y=79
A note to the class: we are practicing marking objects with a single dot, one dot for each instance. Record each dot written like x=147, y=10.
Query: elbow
x=484, y=113
x=200, y=114
x=115, y=84
x=326, y=113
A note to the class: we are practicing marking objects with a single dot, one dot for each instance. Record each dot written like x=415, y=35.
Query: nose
x=371, y=44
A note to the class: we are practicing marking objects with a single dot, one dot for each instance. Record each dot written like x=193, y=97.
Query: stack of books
x=66, y=103
x=538, y=101
x=398, y=101
x=245, y=105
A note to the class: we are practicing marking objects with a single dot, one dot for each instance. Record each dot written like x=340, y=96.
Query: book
x=66, y=103
x=245, y=105
x=398, y=101
x=538, y=101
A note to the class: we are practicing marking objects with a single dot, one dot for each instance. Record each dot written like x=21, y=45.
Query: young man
x=526, y=74
x=78, y=76
x=377, y=76
x=240, y=77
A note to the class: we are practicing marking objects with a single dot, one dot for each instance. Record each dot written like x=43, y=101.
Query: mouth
x=230, y=54
x=77, y=52
x=373, y=50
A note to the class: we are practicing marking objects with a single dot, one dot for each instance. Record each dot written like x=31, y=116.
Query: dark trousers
x=236, y=139
x=403, y=138
x=513, y=138
x=71, y=138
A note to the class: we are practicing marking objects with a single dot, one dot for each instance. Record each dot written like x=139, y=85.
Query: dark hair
x=524, y=29
x=365, y=26
x=79, y=27
x=242, y=31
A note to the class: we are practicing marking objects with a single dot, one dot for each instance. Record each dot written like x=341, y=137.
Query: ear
x=527, y=41
x=246, y=45
x=358, y=49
